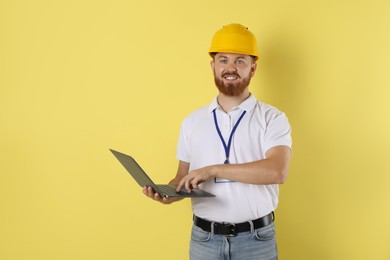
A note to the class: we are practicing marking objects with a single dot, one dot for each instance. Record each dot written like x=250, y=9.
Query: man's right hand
x=148, y=191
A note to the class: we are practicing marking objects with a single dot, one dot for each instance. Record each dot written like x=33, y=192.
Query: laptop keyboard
x=168, y=190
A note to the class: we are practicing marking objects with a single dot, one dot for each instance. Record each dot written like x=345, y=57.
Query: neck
x=228, y=102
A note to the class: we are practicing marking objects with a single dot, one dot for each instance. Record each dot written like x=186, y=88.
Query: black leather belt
x=231, y=229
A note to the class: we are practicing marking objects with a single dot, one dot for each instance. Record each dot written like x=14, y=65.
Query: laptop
x=165, y=190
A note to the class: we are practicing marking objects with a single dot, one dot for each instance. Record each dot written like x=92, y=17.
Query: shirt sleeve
x=182, y=153
x=278, y=131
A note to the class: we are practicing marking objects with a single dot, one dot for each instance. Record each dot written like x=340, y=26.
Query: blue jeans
x=258, y=244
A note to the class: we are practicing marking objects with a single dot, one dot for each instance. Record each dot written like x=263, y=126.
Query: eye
x=223, y=61
x=240, y=61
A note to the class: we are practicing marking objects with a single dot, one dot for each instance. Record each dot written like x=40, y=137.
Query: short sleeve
x=278, y=131
x=182, y=153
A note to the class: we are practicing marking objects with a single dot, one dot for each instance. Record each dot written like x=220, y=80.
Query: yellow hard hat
x=234, y=38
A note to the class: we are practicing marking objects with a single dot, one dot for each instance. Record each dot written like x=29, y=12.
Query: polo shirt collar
x=247, y=105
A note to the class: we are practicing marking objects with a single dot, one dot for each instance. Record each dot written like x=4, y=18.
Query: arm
x=182, y=171
x=271, y=170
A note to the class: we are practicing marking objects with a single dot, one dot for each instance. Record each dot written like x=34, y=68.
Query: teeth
x=230, y=78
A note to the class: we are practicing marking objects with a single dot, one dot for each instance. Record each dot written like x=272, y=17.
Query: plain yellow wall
x=80, y=77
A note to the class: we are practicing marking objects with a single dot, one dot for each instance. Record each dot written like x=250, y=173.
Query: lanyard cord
x=227, y=148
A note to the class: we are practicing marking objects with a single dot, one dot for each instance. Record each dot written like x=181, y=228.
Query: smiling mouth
x=230, y=77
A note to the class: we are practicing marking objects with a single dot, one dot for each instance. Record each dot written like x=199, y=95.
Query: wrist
x=213, y=169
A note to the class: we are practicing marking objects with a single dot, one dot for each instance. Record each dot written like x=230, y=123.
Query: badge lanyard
x=227, y=147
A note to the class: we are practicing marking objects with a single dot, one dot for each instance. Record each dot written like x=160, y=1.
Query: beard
x=233, y=89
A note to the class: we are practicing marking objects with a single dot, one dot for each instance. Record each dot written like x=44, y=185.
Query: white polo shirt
x=261, y=128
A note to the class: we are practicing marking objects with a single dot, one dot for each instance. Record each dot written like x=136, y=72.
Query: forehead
x=231, y=55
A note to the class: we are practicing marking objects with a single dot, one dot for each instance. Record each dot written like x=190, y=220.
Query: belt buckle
x=230, y=229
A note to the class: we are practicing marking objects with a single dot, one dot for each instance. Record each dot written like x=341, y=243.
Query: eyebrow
x=225, y=57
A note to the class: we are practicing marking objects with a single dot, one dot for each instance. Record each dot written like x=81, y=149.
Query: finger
x=147, y=191
x=151, y=192
x=180, y=185
x=167, y=200
x=157, y=196
x=195, y=185
x=188, y=186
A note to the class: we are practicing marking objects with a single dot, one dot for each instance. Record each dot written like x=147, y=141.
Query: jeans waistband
x=231, y=229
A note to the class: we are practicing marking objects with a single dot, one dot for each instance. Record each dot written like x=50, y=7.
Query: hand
x=194, y=178
x=148, y=191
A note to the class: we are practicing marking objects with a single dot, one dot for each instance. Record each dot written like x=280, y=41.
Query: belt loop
x=252, y=226
x=212, y=228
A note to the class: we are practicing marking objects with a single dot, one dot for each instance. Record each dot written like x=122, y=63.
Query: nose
x=231, y=66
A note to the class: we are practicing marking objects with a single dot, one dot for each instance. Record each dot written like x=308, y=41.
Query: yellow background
x=80, y=77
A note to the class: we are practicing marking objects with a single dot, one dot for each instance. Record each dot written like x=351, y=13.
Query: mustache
x=233, y=73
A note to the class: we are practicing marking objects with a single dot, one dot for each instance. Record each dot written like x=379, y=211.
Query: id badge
x=219, y=180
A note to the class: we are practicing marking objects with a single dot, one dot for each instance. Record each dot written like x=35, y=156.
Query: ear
x=212, y=64
x=253, y=68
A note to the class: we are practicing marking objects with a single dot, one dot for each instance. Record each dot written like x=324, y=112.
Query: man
x=237, y=148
